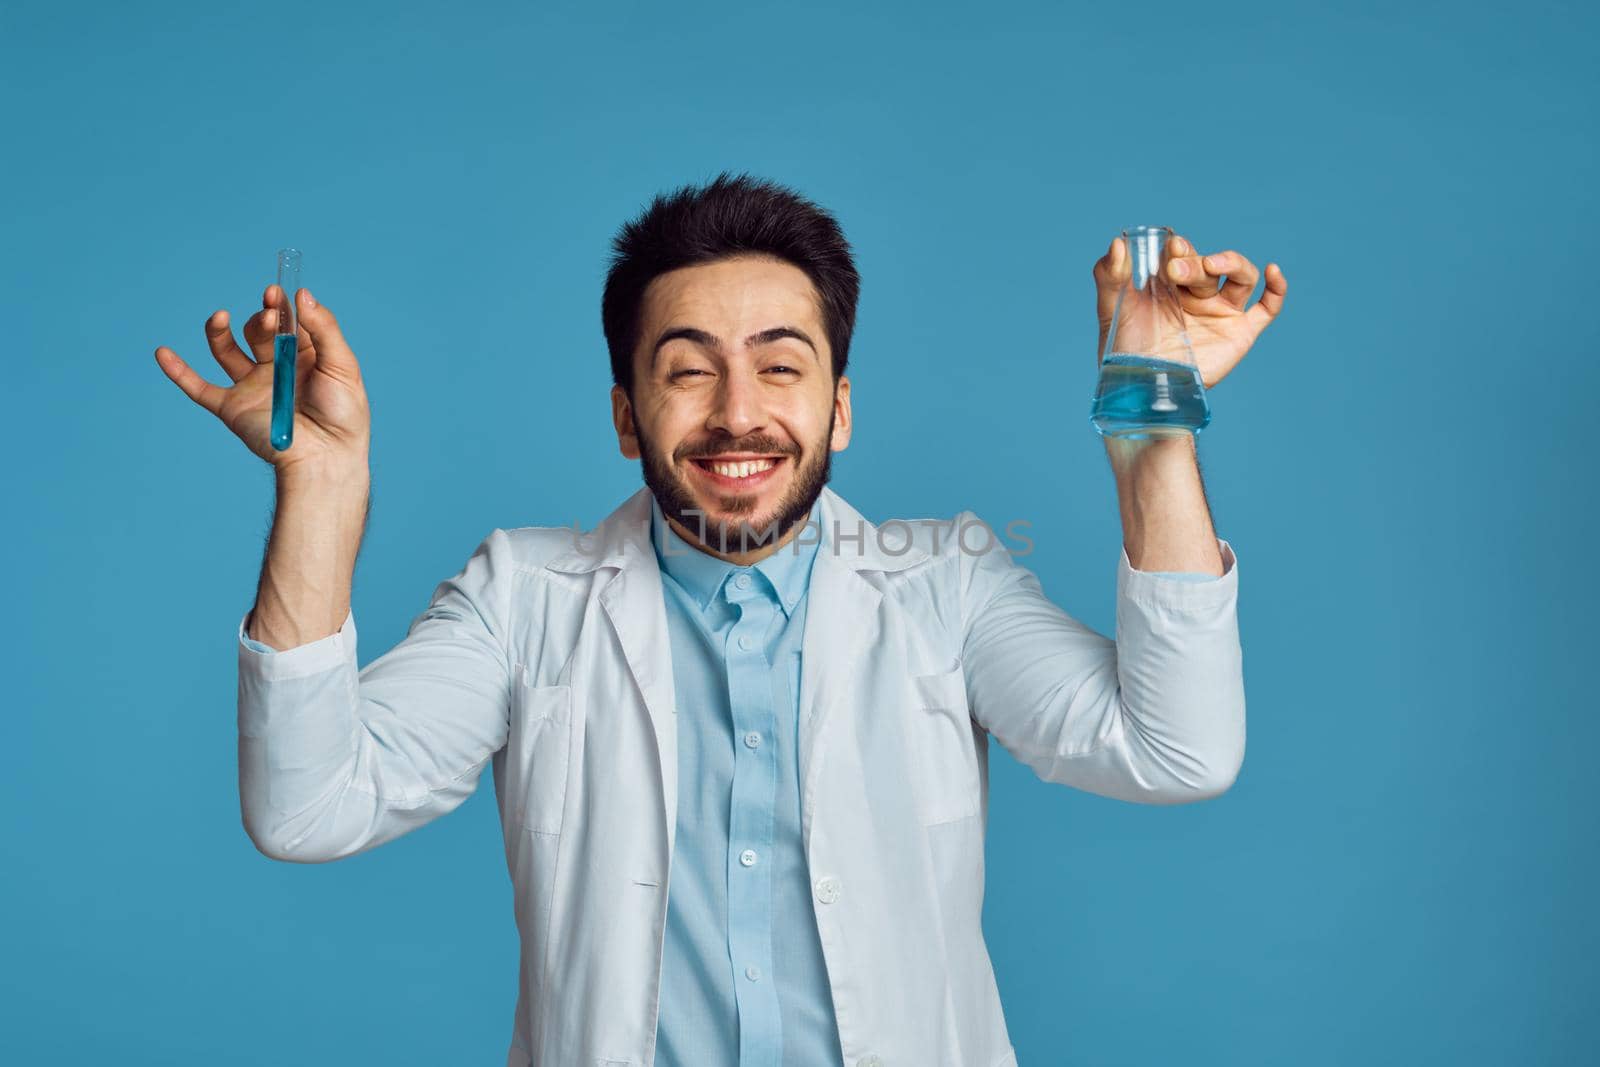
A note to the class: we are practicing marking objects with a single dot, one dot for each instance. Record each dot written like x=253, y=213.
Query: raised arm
x=1158, y=714
x=334, y=760
x=1165, y=522
x=1154, y=717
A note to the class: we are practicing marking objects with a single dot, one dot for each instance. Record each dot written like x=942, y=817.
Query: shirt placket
x=750, y=831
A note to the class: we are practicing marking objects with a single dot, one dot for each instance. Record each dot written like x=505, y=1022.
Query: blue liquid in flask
x=284, y=349
x=1139, y=396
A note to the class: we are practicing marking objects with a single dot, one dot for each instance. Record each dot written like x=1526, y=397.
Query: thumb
x=1110, y=274
x=333, y=353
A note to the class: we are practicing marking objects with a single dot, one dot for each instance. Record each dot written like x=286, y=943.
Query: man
x=738, y=734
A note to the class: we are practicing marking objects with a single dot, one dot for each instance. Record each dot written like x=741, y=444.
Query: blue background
x=1404, y=872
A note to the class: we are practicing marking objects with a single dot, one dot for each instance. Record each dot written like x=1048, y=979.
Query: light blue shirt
x=743, y=980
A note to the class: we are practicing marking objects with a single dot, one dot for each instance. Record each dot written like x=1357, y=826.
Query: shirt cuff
x=264, y=661
x=1181, y=588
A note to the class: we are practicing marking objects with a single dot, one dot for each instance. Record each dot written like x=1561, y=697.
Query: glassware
x=1149, y=383
x=284, y=349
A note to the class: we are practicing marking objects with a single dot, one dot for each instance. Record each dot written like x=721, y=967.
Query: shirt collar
x=788, y=570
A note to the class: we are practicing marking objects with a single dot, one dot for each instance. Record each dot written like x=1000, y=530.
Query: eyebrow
x=755, y=340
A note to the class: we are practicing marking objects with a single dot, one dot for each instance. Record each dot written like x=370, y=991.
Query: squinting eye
x=680, y=373
x=791, y=370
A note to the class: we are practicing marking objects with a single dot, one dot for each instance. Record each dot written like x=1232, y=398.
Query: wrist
x=350, y=473
x=331, y=500
x=1131, y=456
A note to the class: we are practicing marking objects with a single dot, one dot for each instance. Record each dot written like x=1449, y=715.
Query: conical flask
x=1149, y=384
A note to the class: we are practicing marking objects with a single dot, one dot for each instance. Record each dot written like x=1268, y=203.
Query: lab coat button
x=827, y=890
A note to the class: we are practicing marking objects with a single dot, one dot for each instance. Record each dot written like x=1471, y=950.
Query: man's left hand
x=1221, y=328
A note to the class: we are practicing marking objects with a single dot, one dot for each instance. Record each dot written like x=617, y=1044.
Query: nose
x=736, y=410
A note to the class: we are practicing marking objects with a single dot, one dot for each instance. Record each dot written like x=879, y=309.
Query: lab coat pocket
x=945, y=746
x=540, y=735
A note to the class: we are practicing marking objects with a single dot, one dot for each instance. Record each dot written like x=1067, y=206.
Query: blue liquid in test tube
x=284, y=350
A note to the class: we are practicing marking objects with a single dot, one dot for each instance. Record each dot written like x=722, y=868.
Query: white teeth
x=743, y=470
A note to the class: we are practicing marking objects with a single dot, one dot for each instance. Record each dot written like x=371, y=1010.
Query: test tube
x=284, y=349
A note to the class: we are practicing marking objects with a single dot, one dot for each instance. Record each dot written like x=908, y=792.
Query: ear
x=841, y=415
x=622, y=419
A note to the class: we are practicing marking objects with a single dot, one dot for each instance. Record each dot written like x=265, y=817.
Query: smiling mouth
x=741, y=473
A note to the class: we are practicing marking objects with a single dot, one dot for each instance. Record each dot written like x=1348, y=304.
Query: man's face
x=734, y=412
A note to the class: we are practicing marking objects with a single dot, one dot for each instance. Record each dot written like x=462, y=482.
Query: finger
x=262, y=336
x=332, y=352
x=1242, y=276
x=219, y=336
x=194, y=387
x=1186, y=267
x=261, y=327
x=1110, y=272
x=305, y=347
x=1266, y=309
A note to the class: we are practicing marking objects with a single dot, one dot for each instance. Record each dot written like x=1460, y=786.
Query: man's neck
x=739, y=559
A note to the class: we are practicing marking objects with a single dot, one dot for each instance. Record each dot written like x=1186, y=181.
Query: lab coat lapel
x=842, y=623
x=841, y=620
x=633, y=602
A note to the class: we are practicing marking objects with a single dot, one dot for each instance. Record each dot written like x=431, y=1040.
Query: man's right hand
x=332, y=422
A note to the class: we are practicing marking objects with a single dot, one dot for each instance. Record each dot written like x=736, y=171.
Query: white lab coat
x=547, y=659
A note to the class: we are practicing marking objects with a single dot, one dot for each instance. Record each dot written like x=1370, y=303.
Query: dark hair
x=729, y=216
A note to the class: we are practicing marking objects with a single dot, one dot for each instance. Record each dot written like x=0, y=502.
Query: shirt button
x=869, y=1061
x=827, y=890
x=745, y=643
x=752, y=740
x=748, y=857
x=742, y=581
x=752, y=972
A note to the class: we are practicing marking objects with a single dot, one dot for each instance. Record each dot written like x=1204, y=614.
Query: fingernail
x=311, y=301
x=1213, y=262
x=1180, y=269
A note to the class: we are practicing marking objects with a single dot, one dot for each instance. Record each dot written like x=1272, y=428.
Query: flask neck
x=1147, y=249
x=1148, y=320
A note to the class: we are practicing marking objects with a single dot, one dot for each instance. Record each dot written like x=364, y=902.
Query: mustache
x=763, y=446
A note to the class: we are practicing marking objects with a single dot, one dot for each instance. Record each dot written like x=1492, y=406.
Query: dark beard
x=741, y=535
